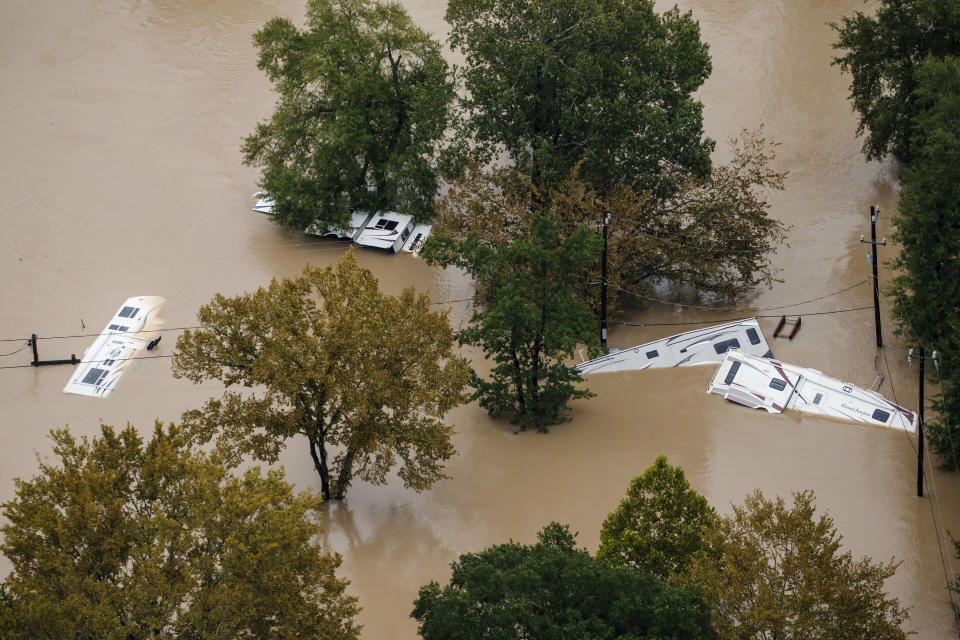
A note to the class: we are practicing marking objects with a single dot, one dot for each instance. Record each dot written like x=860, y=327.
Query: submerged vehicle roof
x=105, y=360
x=762, y=383
x=705, y=345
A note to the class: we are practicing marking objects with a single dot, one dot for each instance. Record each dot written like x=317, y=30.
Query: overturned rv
x=700, y=346
x=762, y=383
x=105, y=360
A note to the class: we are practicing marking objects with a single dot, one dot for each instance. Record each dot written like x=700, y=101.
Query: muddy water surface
x=121, y=125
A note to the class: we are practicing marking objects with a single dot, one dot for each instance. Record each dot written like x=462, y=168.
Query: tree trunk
x=320, y=464
x=343, y=478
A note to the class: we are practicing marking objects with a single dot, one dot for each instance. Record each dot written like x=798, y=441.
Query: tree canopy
x=882, y=53
x=659, y=526
x=776, y=571
x=365, y=377
x=608, y=83
x=713, y=235
x=363, y=98
x=926, y=290
x=531, y=320
x=552, y=590
x=121, y=538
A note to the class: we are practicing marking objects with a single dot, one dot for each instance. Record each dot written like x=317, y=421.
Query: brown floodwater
x=120, y=125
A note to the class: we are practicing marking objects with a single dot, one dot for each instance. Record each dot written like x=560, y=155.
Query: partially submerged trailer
x=763, y=383
x=105, y=360
x=700, y=346
x=358, y=222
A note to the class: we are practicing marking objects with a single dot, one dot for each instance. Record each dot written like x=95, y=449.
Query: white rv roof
x=105, y=360
x=774, y=386
x=384, y=230
x=706, y=345
x=417, y=237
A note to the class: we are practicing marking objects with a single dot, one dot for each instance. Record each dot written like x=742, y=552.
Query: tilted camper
x=700, y=346
x=764, y=383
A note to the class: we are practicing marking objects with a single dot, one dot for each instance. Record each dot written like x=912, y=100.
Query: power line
x=679, y=324
x=121, y=333
x=25, y=366
x=745, y=309
x=4, y=355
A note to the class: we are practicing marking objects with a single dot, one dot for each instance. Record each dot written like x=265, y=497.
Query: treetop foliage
x=125, y=538
x=714, y=234
x=882, y=54
x=551, y=589
x=532, y=321
x=365, y=377
x=774, y=570
x=606, y=83
x=363, y=103
x=659, y=526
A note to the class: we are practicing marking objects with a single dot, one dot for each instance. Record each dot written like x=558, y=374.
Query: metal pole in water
x=874, y=213
x=920, y=431
x=603, y=284
x=872, y=258
x=33, y=343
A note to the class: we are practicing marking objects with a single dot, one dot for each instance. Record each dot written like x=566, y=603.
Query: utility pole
x=37, y=362
x=872, y=258
x=603, y=283
x=921, y=358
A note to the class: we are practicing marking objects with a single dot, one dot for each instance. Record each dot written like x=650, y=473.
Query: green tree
x=365, y=377
x=714, y=235
x=882, y=55
x=125, y=539
x=659, y=526
x=531, y=321
x=363, y=101
x=775, y=571
x=608, y=83
x=926, y=291
x=551, y=590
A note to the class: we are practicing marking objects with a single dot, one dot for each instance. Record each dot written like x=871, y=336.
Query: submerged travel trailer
x=700, y=346
x=417, y=237
x=105, y=360
x=392, y=231
x=358, y=222
x=762, y=383
x=264, y=203
x=387, y=230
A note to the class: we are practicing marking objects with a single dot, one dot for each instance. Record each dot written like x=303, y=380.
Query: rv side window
x=752, y=335
x=732, y=373
x=94, y=376
x=652, y=354
x=726, y=345
x=116, y=327
x=880, y=415
x=388, y=225
x=128, y=312
x=778, y=384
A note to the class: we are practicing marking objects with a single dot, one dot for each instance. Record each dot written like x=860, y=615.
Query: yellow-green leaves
x=120, y=538
x=366, y=377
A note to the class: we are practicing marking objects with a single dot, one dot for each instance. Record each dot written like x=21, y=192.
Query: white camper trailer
x=358, y=222
x=105, y=360
x=386, y=231
x=762, y=383
x=700, y=346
